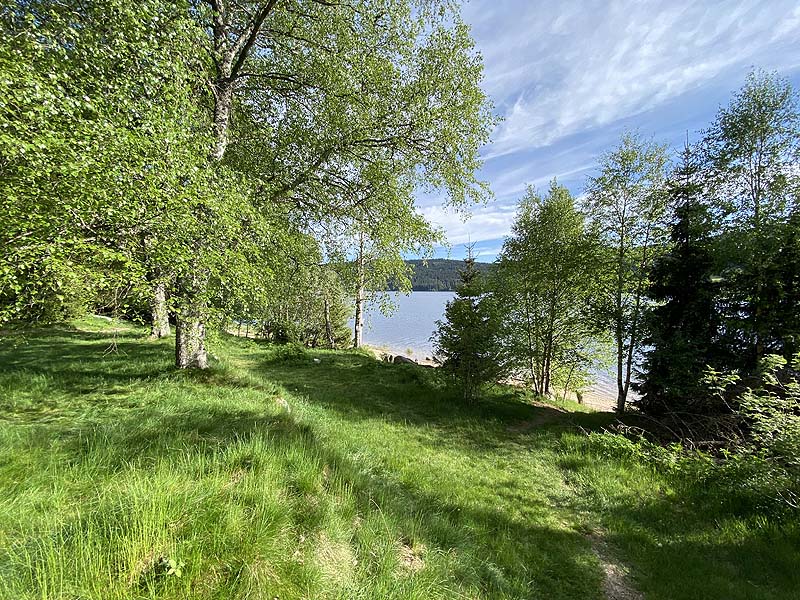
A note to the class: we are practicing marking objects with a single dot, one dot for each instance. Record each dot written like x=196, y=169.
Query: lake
x=409, y=326
x=407, y=330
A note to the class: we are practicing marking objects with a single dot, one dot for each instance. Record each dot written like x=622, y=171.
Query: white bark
x=159, y=313
x=190, y=347
x=359, y=320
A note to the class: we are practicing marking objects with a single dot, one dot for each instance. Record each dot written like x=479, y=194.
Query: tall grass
x=286, y=473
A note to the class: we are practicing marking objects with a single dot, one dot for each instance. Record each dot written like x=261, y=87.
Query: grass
x=283, y=473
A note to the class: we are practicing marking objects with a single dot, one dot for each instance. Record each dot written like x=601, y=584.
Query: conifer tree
x=683, y=329
x=786, y=315
x=467, y=342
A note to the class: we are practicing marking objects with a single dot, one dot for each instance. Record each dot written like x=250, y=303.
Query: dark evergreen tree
x=785, y=318
x=467, y=342
x=683, y=327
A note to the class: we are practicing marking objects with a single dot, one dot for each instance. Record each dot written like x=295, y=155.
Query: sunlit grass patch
x=315, y=474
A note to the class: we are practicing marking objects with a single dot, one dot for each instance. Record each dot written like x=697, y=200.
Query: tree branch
x=245, y=42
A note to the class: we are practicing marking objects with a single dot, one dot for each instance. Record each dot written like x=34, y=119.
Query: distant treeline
x=438, y=274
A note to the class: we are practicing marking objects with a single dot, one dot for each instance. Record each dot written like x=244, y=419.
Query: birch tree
x=546, y=273
x=628, y=204
x=98, y=135
x=752, y=151
x=318, y=87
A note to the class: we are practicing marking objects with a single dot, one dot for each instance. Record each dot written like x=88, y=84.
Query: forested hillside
x=438, y=274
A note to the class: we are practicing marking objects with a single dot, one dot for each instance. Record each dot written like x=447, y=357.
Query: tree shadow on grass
x=682, y=551
x=84, y=353
x=409, y=395
x=358, y=387
x=500, y=555
x=513, y=555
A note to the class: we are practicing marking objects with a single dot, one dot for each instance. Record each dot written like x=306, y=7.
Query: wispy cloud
x=485, y=222
x=511, y=184
x=569, y=76
x=556, y=69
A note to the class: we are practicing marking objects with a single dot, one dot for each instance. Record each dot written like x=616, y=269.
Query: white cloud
x=789, y=25
x=560, y=69
x=569, y=76
x=485, y=223
x=511, y=184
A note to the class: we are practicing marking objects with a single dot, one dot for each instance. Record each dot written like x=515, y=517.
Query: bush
x=758, y=477
x=773, y=413
x=291, y=352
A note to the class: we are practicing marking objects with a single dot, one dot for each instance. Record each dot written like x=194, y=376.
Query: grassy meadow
x=286, y=473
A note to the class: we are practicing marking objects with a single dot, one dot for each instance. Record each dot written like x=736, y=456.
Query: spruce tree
x=467, y=343
x=785, y=317
x=683, y=327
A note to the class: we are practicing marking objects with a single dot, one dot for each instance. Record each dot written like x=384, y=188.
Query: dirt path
x=547, y=414
x=616, y=582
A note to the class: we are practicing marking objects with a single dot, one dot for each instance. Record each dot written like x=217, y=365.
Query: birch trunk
x=359, y=320
x=223, y=102
x=190, y=325
x=329, y=325
x=231, y=50
x=622, y=392
x=159, y=313
x=190, y=341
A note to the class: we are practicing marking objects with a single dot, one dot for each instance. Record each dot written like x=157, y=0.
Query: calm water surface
x=410, y=325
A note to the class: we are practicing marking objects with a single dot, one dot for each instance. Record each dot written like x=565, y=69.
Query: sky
x=569, y=77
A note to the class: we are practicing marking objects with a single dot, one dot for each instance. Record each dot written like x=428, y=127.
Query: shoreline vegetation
x=598, y=394
x=296, y=473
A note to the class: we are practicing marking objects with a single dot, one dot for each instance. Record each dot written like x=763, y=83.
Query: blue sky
x=570, y=77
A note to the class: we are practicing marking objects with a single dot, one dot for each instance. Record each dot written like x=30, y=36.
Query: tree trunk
x=568, y=382
x=190, y=324
x=531, y=355
x=159, y=313
x=622, y=393
x=230, y=51
x=328, y=324
x=190, y=328
x=190, y=335
x=359, y=320
x=223, y=102
x=546, y=371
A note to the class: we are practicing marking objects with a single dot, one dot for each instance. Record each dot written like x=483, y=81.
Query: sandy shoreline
x=601, y=395
x=419, y=356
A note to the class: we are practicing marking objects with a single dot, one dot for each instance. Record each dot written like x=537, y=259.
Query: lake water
x=410, y=326
x=408, y=329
